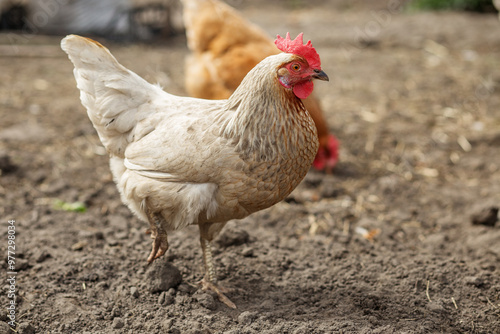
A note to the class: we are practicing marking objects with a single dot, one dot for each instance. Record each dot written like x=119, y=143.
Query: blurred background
x=401, y=236
x=149, y=19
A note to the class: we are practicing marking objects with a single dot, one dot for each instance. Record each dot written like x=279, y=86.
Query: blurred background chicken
x=225, y=47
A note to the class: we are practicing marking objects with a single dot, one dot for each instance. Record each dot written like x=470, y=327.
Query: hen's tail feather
x=111, y=93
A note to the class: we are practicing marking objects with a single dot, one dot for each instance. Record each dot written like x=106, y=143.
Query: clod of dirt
x=486, y=216
x=25, y=328
x=247, y=317
x=116, y=312
x=102, y=285
x=79, y=245
x=167, y=298
x=435, y=307
x=22, y=264
x=206, y=300
x=41, y=255
x=134, y=292
x=4, y=327
x=184, y=288
x=167, y=324
x=6, y=166
x=247, y=252
x=472, y=280
x=163, y=276
x=118, y=323
x=112, y=242
x=232, y=236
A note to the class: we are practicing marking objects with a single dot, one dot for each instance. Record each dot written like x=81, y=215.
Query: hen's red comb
x=298, y=47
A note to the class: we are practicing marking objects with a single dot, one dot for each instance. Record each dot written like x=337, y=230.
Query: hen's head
x=298, y=73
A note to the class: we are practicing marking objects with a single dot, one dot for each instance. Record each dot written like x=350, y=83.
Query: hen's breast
x=273, y=161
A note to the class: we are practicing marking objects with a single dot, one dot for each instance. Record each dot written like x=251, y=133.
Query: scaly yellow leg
x=209, y=281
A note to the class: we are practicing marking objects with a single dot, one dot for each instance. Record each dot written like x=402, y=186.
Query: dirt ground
x=386, y=244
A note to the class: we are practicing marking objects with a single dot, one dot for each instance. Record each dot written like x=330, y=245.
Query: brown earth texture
x=401, y=238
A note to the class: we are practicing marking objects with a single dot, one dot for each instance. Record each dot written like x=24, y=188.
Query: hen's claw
x=207, y=285
x=160, y=245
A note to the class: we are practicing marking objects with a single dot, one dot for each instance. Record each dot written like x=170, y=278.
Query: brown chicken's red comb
x=298, y=47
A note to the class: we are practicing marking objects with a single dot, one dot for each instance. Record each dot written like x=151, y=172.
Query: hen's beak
x=318, y=74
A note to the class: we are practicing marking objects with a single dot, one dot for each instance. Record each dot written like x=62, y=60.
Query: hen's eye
x=296, y=67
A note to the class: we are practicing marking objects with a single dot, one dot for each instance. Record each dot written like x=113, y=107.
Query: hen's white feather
x=116, y=98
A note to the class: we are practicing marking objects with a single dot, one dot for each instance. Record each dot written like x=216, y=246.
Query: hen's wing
x=158, y=133
x=180, y=146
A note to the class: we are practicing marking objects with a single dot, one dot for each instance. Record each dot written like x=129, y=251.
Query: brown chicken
x=225, y=47
x=179, y=161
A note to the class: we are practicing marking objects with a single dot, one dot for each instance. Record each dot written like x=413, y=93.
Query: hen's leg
x=209, y=281
x=158, y=234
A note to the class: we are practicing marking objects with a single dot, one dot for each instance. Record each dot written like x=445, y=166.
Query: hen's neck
x=263, y=118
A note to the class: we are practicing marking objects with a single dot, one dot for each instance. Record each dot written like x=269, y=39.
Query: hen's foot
x=219, y=290
x=159, y=236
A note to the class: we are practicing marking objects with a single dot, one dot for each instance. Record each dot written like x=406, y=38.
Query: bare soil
x=386, y=244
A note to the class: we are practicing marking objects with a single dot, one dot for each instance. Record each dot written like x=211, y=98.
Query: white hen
x=179, y=161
